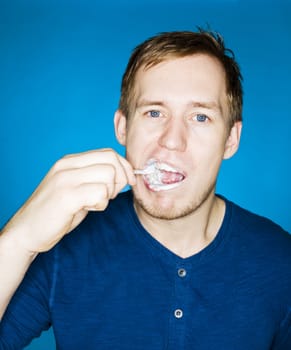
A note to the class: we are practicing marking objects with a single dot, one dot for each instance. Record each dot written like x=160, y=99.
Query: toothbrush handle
x=139, y=172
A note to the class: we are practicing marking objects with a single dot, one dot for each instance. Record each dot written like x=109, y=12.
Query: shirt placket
x=179, y=310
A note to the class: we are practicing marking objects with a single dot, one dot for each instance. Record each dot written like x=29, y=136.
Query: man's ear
x=120, y=127
x=232, y=142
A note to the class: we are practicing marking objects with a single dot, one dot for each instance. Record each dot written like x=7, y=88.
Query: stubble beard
x=157, y=212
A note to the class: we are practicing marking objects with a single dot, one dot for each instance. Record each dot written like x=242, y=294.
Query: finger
x=77, y=219
x=128, y=169
x=100, y=173
x=113, y=176
x=89, y=196
x=79, y=160
x=102, y=156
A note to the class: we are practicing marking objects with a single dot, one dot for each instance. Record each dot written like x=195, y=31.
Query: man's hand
x=75, y=184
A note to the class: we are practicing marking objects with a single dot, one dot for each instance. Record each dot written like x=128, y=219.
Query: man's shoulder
x=259, y=231
x=255, y=222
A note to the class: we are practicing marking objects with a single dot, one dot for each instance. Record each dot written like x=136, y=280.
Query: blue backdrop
x=61, y=66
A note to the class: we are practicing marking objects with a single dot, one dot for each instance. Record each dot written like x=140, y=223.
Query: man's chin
x=162, y=208
x=168, y=205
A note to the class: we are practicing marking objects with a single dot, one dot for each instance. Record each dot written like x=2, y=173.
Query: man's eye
x=154, y=114
x=201, y=117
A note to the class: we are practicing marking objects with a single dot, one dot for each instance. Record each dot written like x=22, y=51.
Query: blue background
x=61, y=66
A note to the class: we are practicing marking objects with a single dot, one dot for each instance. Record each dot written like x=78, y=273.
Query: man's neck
x=190, y=234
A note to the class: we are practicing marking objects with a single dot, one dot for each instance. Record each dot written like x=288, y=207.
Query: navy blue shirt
x=110, y=285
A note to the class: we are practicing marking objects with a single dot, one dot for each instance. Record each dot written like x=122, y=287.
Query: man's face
x=180, y=121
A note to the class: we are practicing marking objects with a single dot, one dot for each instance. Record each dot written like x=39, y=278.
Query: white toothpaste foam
x=154, y=176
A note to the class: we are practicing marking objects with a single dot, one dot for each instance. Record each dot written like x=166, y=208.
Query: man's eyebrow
x=145, y=103
x=207, y=105
x=194, y=104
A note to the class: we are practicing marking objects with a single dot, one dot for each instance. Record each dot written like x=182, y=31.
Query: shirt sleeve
x=28, y=313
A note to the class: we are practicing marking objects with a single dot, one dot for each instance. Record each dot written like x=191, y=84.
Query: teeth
x=166, y=167
x=153, y=174
x=154, y=165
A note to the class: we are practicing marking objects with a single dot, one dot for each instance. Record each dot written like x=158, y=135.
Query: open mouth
x=160, y=176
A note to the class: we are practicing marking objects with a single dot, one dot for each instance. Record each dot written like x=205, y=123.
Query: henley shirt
x=110, y=285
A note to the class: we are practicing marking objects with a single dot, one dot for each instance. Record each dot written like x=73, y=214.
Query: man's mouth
x=160, y=176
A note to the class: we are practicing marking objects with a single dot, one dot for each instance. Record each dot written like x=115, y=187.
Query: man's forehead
x=200, y=73
x=199, y=66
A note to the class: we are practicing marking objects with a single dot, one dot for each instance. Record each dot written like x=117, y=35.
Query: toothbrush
x=150, y=169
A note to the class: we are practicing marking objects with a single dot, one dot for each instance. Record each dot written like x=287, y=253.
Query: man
x=168, y=264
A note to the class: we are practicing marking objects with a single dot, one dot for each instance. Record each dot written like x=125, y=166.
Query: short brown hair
x=180, y=44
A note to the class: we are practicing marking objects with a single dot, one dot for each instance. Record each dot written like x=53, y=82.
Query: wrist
x=12, y=244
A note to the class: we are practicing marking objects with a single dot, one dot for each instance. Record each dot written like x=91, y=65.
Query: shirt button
x=178, y=313
x=182, y=273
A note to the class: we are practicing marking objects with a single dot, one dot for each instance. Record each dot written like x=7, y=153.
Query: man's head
x=180, y=110
x=171, y=45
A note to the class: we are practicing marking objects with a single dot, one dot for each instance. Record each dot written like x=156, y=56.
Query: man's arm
x=75, y=184
x=14, y=262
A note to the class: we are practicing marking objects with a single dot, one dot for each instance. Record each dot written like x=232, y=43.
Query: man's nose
x=174, y=135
